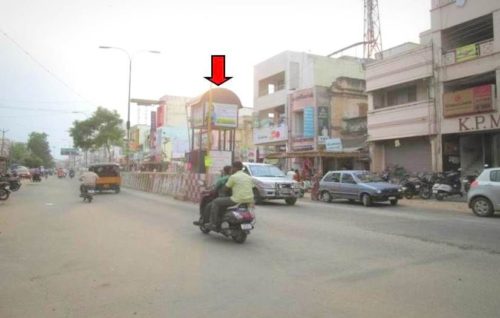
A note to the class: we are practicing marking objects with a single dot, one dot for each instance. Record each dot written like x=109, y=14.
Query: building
x=291, y=90
x=437, y=100
x=466, y=38
x=401, y=115
x=245, y=149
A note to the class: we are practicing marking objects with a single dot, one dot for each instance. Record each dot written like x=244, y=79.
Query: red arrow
x=218, y=70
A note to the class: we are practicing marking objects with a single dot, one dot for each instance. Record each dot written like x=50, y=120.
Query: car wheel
x=257, y=198
x=290, y=201
x=481, y=206
x=366, y=199
x=326, y=196
x=394, y=202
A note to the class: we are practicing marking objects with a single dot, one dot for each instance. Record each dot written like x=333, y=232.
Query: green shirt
x=242, y=186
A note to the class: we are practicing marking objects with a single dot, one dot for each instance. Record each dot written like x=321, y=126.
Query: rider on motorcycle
x=89, y=179
x=241, y=185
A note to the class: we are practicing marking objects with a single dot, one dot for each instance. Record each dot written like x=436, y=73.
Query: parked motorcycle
x=447, y=184
x=427, y=182
x=13, y=181
x=4, y=192
x=236, y=223
x=411, y=186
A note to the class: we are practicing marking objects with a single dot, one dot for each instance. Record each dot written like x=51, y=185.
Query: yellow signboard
x=465, y=53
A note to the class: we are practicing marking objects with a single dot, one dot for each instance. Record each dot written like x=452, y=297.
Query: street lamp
x=129, y=86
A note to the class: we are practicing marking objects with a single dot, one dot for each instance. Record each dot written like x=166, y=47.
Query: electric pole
x=3, y=141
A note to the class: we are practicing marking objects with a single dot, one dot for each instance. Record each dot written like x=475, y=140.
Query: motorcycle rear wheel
x=240, y=237
x=203, y=229
x=4, y=194
x=425, y=193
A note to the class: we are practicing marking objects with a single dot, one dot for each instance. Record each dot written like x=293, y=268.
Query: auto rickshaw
x=109, y=177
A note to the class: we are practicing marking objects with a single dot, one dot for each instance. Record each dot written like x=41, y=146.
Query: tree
x=18, y=153
x=39, y=149
x=102, y=129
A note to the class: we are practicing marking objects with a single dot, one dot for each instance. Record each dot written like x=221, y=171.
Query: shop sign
x=474, y=100
x=323, y=124
x=465, y=53
x=270, y=134
x=479, y=122
x=333, y=145
x=225, y=115
x=309, y=122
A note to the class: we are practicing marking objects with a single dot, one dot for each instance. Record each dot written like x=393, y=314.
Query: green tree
x=18, y=153
x=102, y=129
x=39, y=148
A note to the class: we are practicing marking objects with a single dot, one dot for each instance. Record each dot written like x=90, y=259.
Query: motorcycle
x=236, y=223
x=14, y=182
x=4, y=192
x=36, y=178
x=411, y=186
x=86, y=193
x=447, y=184
x=71, y=174
x=427, y=182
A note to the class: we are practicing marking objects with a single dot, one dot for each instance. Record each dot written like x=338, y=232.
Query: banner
x=270, y=134
x=474, y=100
x=309, y=122
x=465, y=53
x=323, y=124
x=225, y=115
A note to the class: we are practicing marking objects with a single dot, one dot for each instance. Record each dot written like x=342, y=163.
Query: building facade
x=292, y=102
x=437, y=100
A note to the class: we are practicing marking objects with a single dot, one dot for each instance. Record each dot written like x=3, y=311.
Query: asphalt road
x=138, y=255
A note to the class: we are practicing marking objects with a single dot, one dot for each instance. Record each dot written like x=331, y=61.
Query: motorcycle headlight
x=400, y=190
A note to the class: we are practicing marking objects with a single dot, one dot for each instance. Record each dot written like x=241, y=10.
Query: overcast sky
x=63, y=37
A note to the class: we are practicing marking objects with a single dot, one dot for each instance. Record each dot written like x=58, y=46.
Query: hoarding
x=270, y=134
x=465, y=53
x=69, y=152
x=474, y=100
x=225, y=115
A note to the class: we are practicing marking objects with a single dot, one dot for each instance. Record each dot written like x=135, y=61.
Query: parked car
x=358, y=185
x=22, y=172
x=484, y=194
x=271, y=183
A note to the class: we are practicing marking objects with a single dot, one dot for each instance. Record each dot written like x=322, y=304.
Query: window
x=402, y=95
x=332, y=177
x=347, y=178
x=495, y=175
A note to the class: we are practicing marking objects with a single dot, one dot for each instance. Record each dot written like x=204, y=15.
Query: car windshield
x=366, y=177
x=266, y=171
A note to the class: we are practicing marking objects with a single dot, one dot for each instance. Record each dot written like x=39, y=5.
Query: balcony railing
x=468, y=52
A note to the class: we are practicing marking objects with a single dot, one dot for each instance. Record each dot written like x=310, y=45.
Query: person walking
x=315, y=185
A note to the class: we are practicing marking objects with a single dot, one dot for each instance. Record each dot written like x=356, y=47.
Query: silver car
x=484, y=194
x=271, y=183
x=358, y=185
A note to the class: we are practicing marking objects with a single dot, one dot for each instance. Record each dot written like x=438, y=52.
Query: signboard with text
x=465, y=53
x=479, y=99
x=270, y=134
x=225, y=115
x=323, y=124
x=333, y=145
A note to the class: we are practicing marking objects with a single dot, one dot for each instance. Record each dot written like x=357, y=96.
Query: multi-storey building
x=291, y=90
x=434, y=106
x=401, y=116
x=466, y=38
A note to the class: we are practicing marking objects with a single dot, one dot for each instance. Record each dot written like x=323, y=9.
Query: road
x=138, y=255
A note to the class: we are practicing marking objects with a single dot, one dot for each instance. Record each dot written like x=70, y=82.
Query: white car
x=484, y=194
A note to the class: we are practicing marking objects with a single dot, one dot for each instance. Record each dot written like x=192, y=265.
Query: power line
x=43, y=66
x=43, y=109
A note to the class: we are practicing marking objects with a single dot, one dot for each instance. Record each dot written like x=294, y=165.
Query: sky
x=52, y=71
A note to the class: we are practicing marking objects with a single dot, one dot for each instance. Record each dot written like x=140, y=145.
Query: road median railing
x=182, y=186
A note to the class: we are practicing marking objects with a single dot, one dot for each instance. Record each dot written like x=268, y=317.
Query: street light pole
x=127, y=144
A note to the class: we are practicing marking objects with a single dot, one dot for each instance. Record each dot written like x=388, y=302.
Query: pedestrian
x=296, y=176
x=315, y=186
